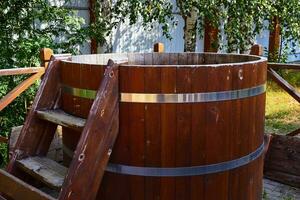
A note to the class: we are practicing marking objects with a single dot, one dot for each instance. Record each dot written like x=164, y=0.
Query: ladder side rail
x=36, y=134
x=96, y=142
x=17, y=189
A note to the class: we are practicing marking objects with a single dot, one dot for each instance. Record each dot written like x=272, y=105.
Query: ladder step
x=45, y=170
x=61, y=118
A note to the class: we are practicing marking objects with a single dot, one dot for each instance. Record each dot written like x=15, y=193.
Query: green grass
x=282, y=111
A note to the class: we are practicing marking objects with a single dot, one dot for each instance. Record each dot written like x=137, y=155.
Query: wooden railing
x=292, y=91
x=36, y=72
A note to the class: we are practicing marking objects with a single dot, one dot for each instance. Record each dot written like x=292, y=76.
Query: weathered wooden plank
x=45, y=170
x=284, y=66
x=284, y=84
x=7, y=99
x=283, y=159
x=96, y=142
x=18, y=71
x=55, y=150
x=61, y=118
x=36, y=135
x=19, y=190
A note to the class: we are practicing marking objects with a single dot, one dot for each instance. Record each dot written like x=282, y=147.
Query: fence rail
x=36, y=72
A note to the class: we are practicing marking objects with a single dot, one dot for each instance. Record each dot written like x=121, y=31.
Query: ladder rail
x=96, y=142
x=19, y=190
x=36, y=134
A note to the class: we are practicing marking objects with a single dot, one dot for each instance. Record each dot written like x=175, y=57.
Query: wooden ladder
x=99, y=131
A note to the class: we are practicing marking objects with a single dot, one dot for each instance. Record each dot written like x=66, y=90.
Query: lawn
x=282, y=111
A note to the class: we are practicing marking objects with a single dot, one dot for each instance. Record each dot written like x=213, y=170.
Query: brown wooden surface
x=18, y=71
x=45, y=170
x=19, y=190
x=45, y=56
x=159, y=48
x=282, y=161
x=284, y=66
x=61, y=118
x=12, y=95
x=284, y=84
x=36, y=134
x=170, y=135
x=96, y=142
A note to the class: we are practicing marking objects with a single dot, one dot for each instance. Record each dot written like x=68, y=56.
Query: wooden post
x=257, y=50
x=159, y=47
x=211, y=43
x=274, y=40
x=45, y=55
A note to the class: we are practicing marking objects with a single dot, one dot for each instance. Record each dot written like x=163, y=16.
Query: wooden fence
x=36, y=73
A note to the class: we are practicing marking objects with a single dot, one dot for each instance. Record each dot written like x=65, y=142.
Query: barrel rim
x=125, y=56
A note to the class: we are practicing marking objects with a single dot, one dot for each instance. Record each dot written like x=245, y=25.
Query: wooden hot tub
x=191, y=124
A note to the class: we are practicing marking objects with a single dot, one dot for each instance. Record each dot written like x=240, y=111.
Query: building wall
x=134, y=38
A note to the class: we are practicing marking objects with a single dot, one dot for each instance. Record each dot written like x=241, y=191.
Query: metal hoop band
x=185, y=171
x=174, y=98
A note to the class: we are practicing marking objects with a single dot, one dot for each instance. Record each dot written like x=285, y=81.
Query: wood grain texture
x=18, y=190
x=287, y=150
x=183, y=135
x=45, y=170
x=61, y=118
x=96, y=143
x=12, y=95
x=18, y=71
x=36, y=134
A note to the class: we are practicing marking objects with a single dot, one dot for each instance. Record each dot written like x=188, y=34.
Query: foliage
x=282, y=111
x=241, y=20
x=149, y=11
x=26, y=27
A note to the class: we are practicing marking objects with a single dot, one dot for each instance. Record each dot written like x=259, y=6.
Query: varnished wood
x=45, y=56
x=182, y=135
x=284, y=84
x=96, y=143
x=19, y=71
x=7, y=99
x=18, y=190
x=45, y=170
x=159, y=48
x=61, y=118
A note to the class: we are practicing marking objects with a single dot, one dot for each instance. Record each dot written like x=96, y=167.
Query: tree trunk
x=101, y=9
x=274, y=40
x=211, y=41
x=190, y=32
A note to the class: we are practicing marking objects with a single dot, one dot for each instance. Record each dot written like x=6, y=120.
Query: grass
x=282, y=111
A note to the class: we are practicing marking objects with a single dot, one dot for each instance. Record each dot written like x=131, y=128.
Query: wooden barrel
x=191, y=124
